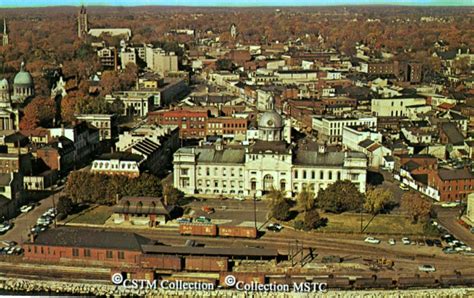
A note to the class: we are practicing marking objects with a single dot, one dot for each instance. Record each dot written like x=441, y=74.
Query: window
x=75, y=252
x=304, y=174
x=87, y=252
x=121, y=255
x=296, y=174
x=338, y=175
x=184, y=172
x=321, y=175
x=313, y=175
x=109, y=254
x=330, y=175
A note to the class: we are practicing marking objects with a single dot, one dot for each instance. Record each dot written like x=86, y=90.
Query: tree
x=172, y=195
x=281, y=210
x=377, y=199
x=305, y=200
x=414, y=204
x=275, y=196
x=65, y=206
x=339, y=197
x=39, y=112
x=224, y=64
x=312, y=220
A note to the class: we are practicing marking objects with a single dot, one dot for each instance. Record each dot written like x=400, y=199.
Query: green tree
x=339, y=197
x=281, y=210
x=312, y=220
x=305, y=200
x=377, y=200
x=172, y=195
x=65, y=206
x=224, y=64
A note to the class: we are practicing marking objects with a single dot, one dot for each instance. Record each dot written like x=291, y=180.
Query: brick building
x=192, y=124
x=453, y=184
x=86, y=246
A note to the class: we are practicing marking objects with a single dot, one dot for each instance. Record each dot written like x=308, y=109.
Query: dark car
x=429, y=242
x=437, y=242
x=274, y=227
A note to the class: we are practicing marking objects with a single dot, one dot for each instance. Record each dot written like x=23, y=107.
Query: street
x=25, y=221
x=448, y=218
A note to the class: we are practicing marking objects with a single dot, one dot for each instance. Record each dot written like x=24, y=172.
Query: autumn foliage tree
x=377, y=199
x=415, y=205
x=39, y=112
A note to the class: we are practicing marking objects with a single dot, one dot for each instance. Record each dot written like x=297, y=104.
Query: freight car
x=456, y=280
x=240, y=232
x=215, y=230
x=206, y=264
x=373, y=283
x=162, y=262
x=417, y=282
x=198, y=229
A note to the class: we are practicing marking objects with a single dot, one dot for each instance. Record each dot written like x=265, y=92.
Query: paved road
x=24, y=222
x=448, y=218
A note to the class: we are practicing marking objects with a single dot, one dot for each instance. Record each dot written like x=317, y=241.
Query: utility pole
x=361, y=221
x=255, y=210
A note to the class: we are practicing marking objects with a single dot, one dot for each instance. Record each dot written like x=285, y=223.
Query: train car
x=239, y=232
x=163, y=262
x=340, y=283
x=373, y=283
x=198, y=229
x=417, y=282
x=206, y=264
x=456, y=280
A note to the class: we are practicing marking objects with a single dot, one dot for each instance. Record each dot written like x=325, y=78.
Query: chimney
x=117, y=198
x=32, y=237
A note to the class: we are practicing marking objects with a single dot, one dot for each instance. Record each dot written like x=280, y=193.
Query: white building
x=266, y=164
x=395, y=107
x=330, y=128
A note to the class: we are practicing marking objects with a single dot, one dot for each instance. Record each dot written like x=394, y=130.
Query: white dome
x=4, y=84
x=270, y=119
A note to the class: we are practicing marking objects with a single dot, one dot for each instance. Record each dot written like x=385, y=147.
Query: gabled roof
x=91, y=238
x=455, y=174
x=452, y=132
x=227, y=155
x=142, y=205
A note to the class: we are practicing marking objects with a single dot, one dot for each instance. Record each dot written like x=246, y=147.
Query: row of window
x=107, y=165
x=217, y=183
x=304, y=174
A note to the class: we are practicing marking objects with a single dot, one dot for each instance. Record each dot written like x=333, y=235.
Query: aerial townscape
x=228, y=152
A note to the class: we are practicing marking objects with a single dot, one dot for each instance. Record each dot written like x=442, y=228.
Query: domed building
x=4, y=93
x=23, y=86
x=270, y=126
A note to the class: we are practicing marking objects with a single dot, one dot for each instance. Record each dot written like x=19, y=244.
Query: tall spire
x=5, y=33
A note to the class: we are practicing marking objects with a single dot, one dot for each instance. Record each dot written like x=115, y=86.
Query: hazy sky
x=25, y=3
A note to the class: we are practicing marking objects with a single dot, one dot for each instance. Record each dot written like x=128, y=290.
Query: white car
x=372, y=240
x=427, y=268
x=5, y=227
x=406, y=241
x=391, y=241
x=25, y=208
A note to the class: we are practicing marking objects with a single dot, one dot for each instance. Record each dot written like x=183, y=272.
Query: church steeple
x=5, y=33
x=82, y=26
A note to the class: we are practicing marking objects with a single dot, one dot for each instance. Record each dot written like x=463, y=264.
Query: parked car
x=240, y=198
x=38, y=228
x=202, y=219
x=372, y=240
x=427, y=268
x=8, y=243
x=421, y=242
x=44, y=221
x=404, y=187
x=406, y=241
x=449, y=250
x=437, y=242
x=391, y=241
x=275, y=227
x=184, y=220
x=449, y=205
x=4, y=227
x=208, y=210
x=26, y=208
x=429, y=242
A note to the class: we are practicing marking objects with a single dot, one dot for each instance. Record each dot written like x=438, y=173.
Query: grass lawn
x=95, y=216
x=381, y=224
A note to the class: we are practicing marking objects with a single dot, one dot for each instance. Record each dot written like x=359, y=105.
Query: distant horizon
x=242, y=3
